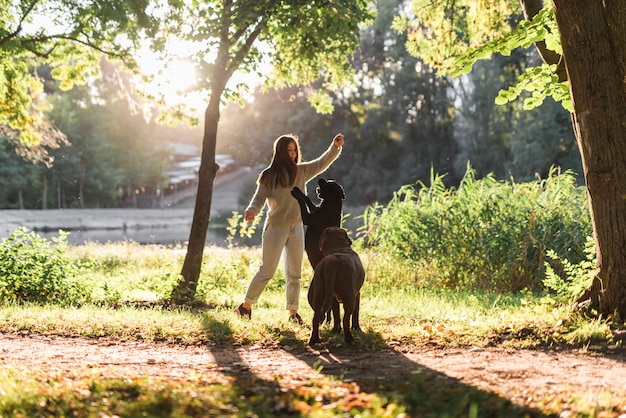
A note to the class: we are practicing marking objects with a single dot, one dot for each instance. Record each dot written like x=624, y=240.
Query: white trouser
x=275, y=239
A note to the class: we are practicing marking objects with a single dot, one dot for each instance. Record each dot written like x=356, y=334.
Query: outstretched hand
x=338, y=140
x=249, y=215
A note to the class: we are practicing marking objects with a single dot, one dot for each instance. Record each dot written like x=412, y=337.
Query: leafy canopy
x=68, y=37
x=453, y=36
x=285, y=43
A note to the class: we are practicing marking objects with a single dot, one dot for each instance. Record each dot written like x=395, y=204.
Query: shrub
x=570, y=281
x=486, y=234
x=33, y=269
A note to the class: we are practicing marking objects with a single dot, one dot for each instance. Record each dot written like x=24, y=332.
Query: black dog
x=317, y=218
x=339, y=276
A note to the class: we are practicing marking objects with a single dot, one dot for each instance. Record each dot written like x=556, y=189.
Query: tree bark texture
x=592, y=35
x=186, y=289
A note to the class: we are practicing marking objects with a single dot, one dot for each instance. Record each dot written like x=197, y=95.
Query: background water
x=176, y=235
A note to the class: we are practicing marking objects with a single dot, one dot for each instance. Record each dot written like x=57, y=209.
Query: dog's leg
x=302, y=201
x=309, y=203
x=315, y=328
x=348, y=310
x=355, y=314
x=336, y=316
x=316, y=300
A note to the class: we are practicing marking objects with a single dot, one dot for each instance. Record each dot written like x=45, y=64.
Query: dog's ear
x=347, y=237
x=339, y=188
x=322, y=241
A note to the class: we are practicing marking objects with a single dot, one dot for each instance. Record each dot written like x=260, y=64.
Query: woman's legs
x=294, y=252
x=274, y=239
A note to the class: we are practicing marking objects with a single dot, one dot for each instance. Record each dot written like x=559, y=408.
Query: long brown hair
x=282, y=170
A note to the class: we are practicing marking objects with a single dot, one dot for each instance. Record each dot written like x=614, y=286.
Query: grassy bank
x=125, y=280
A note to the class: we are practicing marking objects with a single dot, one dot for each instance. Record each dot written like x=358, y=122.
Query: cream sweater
x=284, y=209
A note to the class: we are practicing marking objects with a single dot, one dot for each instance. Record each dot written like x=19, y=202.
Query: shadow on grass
x=396, y=384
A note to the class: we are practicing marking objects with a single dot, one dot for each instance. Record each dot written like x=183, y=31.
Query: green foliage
x=32, y=269
x=541, y=27
x=311, y=40
x=127, y=271
x=68, y=37
x=571, y=280
x=541, y=82
x=487, y=234
x=302, y=43
x=463, y=44
x=439, y=32
x=238, y=227
x=113, y=147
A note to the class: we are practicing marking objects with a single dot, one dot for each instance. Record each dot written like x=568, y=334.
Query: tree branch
x=530, y=9
x=247, y=45
x=73, y=37
x=19, y=25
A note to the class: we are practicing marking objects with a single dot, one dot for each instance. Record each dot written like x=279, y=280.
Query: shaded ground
x=518, y=375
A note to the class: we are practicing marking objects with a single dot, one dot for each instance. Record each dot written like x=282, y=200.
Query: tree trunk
x=592, y=35
x=81, y=186
x=186, y=289
x=44, y=191
x=20, y=198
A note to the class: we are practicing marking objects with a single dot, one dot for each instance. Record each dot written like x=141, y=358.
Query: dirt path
x=514, y=374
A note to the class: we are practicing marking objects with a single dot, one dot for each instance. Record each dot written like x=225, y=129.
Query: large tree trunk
x=186, y=289
x=592, y=35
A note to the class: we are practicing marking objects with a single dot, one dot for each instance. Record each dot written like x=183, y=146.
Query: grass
x=127, y=282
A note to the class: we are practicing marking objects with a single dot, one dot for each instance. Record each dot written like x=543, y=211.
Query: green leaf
x=501, y=99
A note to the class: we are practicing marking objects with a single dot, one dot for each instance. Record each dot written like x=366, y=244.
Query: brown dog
x=339, y=275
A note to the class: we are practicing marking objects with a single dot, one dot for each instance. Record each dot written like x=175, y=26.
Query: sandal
x=296, y=318
x=241, y=311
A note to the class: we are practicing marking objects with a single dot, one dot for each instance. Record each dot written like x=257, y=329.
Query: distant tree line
x=401, y=123
x=114, y=156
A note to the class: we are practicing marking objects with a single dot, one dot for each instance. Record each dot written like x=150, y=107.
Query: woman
x=283, y=229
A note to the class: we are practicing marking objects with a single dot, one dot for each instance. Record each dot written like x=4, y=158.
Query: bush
x=33, y=269
x=570, y=281
x=488, y=234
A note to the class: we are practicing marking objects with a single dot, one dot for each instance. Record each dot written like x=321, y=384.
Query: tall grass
x=487, y=234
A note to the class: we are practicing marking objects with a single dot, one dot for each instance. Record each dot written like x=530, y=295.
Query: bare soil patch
x=517, y=374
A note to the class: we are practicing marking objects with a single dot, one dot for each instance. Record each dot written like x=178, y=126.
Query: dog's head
x=330, y=189
x=334, y=239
